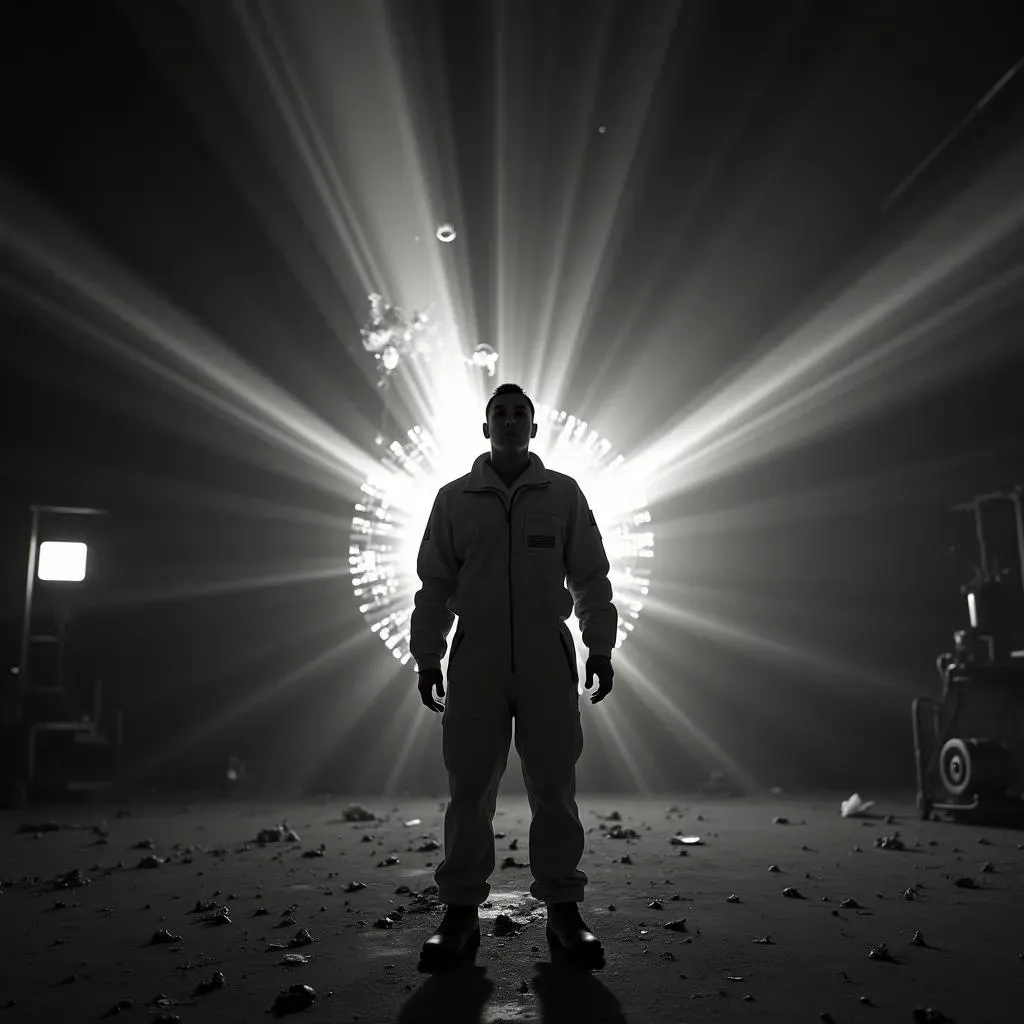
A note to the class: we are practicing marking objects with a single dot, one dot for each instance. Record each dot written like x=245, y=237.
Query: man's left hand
x=601, y=667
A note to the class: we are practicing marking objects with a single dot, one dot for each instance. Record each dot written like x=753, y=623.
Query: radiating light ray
x=619, y=735
x=624, y=170
x=869, y=376
x=363, y=37
x=557, y=293
x=216, y=588
x=917, y=272
x=770, y=606
x=845, y=498
x=957, y=130
x=746, y=639
x=177, y=748
x=571, y=299
x=397, y=148
x=245, y=506
x=100, y=283
x=503, y=234
x=407, y=738
x=309, y=142
x=184, y=385
x=671, y=716
x=452, y=306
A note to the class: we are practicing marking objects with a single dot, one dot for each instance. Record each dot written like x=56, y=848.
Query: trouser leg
x=476, y=735
x=549, y=740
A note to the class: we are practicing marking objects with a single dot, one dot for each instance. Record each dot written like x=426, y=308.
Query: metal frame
x=24, y=680
x=974, y=506
x=30, y=577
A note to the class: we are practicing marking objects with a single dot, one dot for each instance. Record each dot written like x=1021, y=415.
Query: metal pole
x=1019, y=516
x=26, y=625
x=979, y=528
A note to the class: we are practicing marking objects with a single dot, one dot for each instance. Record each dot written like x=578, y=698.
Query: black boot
x=568, y=932
x=457, y=936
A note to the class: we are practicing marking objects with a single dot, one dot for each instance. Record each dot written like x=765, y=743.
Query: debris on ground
x=853, y=806
x=892, y=842
x=354, y=812
x=119, y=1006
x=618, y=832
x=294, y=999
x=214, y=982
x=927, y=1015
x=278, y=834
x=301, y=938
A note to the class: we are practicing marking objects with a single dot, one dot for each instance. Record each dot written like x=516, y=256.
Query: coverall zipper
x=511, y=618
x=508, y=517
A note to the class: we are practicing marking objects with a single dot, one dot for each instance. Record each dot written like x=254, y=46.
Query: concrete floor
x=74, y=946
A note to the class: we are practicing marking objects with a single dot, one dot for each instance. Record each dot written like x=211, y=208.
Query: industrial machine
x=969, y=746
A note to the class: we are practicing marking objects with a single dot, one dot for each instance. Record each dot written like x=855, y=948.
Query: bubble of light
x=484, y=356
x=388, y=522
x=446, y=233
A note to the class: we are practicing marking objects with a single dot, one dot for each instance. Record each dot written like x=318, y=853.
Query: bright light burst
x=388, y=523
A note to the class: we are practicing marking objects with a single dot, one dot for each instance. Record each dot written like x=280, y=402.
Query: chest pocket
x=542, y=534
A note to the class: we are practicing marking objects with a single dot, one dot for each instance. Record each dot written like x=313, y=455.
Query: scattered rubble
x=294, y=999
x=213, y=913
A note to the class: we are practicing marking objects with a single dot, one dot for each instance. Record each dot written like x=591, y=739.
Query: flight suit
x=512, y=563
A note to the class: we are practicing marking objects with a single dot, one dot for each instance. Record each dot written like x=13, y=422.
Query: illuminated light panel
x=388, y=523
x=61, y=560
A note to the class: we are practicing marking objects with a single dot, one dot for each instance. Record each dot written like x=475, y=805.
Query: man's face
x=509, y=423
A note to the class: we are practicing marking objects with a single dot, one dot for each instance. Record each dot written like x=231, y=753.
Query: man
x=501, y=545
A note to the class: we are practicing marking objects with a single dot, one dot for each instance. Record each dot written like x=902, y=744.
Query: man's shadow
x=457, y=996
x=564, y=991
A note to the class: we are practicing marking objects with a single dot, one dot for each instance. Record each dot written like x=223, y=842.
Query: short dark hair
x=509, y=389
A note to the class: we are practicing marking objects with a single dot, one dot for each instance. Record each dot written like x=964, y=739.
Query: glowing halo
x=445, y=233
x=388, y=523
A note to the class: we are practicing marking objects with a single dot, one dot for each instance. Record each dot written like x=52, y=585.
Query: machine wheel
x=973, y=765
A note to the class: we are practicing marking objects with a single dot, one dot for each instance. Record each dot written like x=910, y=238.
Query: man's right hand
x=430, y=678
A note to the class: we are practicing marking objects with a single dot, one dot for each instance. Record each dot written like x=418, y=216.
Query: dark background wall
x=837, y=550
